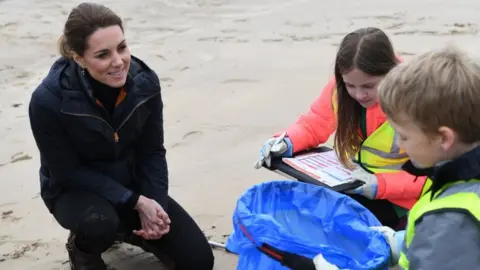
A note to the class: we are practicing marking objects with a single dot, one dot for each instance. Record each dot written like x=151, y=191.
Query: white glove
x=369, y=188
x=273, y=147
x=322, y=264
x=395, y=241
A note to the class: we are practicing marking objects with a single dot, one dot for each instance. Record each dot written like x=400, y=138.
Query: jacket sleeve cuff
x=400, y=237
x=381, y=186
x=132, y=201
x=289, y=151
x=162, y=199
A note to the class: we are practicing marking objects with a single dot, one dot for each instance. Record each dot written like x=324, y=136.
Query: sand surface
x=232, y=72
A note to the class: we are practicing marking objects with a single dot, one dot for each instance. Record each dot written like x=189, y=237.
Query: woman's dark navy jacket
x=83, y=148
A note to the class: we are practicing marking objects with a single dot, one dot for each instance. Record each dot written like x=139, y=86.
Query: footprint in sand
x=7, y=67
x=192, y=135
x=21, y=250
x=8, y=215
x=19, y=157
x=31, y=37
x=395, y=17
x=161, y=57
x=405, y=53
x=166, y=79
x=188, y=137
x=299, y=24
x=23, y=74
x=5, y=237
x=273, y=40
x=395, y=26
x=308, y=38
x=7, y=204
x=228, y=30
x=240, y=80
x=216, y=39
x=457, y=30
x=8, y=24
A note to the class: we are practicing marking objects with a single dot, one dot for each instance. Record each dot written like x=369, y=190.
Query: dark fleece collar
x=465, y=167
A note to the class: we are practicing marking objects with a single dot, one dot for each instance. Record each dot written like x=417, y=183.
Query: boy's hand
x=395, y=241
x=370, y=186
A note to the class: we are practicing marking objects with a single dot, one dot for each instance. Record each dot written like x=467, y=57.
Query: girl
x=348, y=106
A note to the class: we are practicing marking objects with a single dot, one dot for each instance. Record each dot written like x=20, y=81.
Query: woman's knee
x=97, y=222
x=97, y=230
x=92, y=219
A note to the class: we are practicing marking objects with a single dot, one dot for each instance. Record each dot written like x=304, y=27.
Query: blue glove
x=394, y=240
x=277, y=147
x=369, y=188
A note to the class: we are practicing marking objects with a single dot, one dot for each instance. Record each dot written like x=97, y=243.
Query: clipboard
x=280, y=167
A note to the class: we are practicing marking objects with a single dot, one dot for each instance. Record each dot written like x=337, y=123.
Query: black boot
x=80, y=260
x=138, y=241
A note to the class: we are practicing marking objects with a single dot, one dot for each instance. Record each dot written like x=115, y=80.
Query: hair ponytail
x=63, y=48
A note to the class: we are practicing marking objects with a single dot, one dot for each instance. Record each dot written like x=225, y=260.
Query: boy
x=433, y=102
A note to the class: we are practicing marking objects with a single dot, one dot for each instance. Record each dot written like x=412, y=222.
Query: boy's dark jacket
x=76, y=139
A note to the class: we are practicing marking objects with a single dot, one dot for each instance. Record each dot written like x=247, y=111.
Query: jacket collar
x=464, y=167
x=73, y=79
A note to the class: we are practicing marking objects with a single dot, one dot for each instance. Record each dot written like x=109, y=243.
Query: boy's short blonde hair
x=437, y=88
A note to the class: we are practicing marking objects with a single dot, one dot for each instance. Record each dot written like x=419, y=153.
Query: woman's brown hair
x=369, y=50
x=82, y=22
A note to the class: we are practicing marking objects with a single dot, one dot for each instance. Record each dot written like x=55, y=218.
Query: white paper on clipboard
x=325, y=167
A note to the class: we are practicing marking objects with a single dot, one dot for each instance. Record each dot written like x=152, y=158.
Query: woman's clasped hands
x=154, y=220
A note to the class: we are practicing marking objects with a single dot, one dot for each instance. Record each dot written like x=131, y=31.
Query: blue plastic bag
x=307, y=220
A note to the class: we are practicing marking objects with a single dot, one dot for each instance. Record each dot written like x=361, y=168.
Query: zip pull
x=115, y=137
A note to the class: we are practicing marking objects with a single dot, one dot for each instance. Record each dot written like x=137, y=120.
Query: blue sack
x=305, y=219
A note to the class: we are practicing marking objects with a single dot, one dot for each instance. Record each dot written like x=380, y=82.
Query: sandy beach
x=232, y=72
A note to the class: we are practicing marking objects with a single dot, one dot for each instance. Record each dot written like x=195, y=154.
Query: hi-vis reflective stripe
x=392, y=155
x=395, y=148
x=393, y=167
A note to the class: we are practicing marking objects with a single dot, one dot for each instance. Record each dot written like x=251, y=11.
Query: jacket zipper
x=115, y=135
x=115, y=132
x=133, y=110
